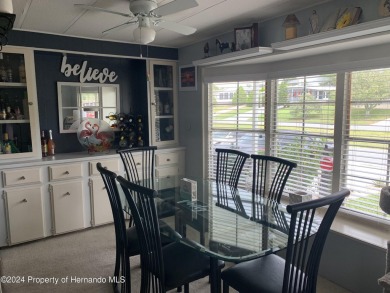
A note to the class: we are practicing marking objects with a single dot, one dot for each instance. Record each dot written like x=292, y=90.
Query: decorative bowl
x=95, y=135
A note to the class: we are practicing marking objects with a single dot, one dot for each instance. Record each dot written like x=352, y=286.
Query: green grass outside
x=367, y=205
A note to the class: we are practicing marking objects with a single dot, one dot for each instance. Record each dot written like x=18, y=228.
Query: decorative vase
x=384, y=201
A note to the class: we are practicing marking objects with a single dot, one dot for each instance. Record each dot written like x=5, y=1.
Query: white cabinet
x=101, y=212
x=163, y=103
x=170, y=166
x=22, y=195
x=66, y=195
x=19, y=123
x=67, y=206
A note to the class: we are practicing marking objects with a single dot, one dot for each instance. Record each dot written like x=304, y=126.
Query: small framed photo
x=187, y=78
x=246, y=37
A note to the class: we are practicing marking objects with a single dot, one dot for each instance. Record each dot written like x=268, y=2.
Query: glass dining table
x=221, y=221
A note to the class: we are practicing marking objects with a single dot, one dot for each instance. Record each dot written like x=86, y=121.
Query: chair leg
x=225, y=287
x=187, y=288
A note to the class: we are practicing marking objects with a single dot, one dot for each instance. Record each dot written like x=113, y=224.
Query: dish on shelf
x=95, y=135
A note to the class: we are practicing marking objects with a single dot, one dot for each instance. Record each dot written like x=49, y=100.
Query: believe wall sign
x=87, y=74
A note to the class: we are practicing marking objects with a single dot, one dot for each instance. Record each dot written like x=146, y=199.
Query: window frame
x=79, y=86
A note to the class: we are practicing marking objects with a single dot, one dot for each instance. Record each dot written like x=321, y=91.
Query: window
x=77, y=101
x=366, y=137
x=339, y=137
x=236, y=122
x=302, y=130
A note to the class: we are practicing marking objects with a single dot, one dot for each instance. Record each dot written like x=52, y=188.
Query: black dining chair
x=228, y=198
x=270, y=175
x=125, y=244
x=162, y=268
x=298, y=271
x=229, y=166
x=139, y=164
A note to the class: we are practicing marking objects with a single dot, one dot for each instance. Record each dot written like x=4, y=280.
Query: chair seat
x=133, y=244
x=264, y=274
x=183, y=264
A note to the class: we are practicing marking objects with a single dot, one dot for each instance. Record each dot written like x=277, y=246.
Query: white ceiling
x=211, y=18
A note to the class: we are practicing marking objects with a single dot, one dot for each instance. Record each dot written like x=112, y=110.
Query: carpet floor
x=78, y=262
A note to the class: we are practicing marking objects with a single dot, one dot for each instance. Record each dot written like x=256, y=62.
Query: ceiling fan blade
x=175, y=27
x=119, y=27
x=90, y=7
x=175, y=6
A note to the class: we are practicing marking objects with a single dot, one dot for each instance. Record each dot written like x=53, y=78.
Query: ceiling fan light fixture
x=144, y=35
x=7, y=19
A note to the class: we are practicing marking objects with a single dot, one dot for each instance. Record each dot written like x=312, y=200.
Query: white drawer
x=167, y=172
x=112, y=165
x=167, y=159
x=61, y=172
x=21, y=176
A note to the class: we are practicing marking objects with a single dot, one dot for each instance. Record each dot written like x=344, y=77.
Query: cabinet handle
x=66, y=173
x=30, y=103
x=22, y=178
x=153, y=103
x=138, y=164
x=168, y=160
x=67, y=193
x=24, y=200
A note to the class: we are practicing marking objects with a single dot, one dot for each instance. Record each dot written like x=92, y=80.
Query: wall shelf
x=353, y=31
x=356, y=36
x=234, y=56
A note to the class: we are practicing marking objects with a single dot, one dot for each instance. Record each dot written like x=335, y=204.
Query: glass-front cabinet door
x=19, y=123
x=163, y=103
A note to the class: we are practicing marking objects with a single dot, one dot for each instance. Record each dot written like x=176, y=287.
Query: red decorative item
x=95, y=135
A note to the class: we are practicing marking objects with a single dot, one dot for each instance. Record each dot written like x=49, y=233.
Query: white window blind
x=236, y=120
x=366, y=149
x=302, y=130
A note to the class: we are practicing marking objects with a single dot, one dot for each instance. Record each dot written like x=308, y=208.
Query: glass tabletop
x=220, y=220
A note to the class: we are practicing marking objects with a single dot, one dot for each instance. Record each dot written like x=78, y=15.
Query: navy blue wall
x=131, y=79
x=132, y=75
x=57, y=42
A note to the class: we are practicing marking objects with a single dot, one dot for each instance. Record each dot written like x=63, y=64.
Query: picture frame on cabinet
x=187, y=78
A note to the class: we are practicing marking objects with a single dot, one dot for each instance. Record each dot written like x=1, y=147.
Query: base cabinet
x=100, y=203
x=101, y=212
x=67, y=206
x=23, y=208
x=65, y=193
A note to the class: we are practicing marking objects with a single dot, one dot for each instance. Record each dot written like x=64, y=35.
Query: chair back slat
x=229, y=166
x=139, y=172
x=303, y=253
x=228, y=198
x=270, y=176
x=143, y=209
x=122, y=263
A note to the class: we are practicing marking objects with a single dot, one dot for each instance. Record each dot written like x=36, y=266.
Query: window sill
x=374, y=232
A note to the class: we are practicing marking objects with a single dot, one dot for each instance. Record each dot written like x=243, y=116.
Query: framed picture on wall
x=246, y=37
x=187, y=78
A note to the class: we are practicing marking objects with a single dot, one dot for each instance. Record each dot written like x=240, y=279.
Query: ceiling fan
x=147, y=14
